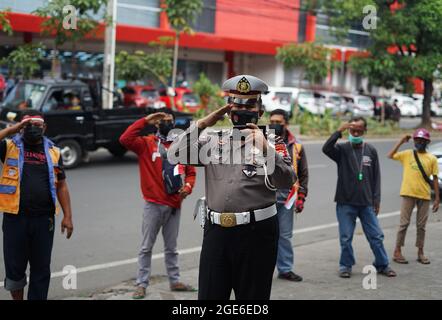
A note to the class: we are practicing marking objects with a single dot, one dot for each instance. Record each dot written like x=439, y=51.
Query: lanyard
x=360, y=174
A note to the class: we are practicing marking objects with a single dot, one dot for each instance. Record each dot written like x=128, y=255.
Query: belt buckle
x=227, y=219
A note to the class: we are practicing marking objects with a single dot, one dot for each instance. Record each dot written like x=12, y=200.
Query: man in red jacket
x=163, y=191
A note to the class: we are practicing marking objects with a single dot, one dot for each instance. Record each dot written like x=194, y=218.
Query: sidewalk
x=318, y=264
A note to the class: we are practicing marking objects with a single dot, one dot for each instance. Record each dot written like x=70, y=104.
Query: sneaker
x=290, y=276
x=345, y=274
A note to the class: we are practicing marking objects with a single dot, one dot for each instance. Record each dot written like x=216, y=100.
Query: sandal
x=400, y=260
x=388, y=272
x=140, y=293
x=423, y=260
x=179, y=286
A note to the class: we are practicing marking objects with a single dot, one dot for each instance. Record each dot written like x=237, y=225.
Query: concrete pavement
x=317, y=263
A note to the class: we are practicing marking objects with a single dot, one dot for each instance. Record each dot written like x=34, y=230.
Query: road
x=107, y=207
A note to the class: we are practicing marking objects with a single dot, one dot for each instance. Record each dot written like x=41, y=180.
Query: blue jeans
x=347, y=215
x=284, y=261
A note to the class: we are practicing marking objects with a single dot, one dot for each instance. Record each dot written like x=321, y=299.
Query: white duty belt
x=231, y=219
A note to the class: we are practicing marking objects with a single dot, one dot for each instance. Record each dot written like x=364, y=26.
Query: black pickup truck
x=76, y=122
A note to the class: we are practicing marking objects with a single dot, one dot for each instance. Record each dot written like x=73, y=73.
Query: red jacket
x=151, y=178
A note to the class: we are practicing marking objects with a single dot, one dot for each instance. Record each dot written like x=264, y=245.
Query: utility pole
x=109, y=56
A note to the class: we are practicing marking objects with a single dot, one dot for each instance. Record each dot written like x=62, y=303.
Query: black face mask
x=33, y=134
x=420, y=146
x=279, y=129
x=165, y=128
x=242, y=117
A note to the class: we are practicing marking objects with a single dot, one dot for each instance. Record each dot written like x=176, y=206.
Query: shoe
x=345, y=274
x=388, y=272
x=291, y=276
x=140, y=293
x=179, y=286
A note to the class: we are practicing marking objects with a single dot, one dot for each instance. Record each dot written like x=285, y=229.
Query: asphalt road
x=107, y=207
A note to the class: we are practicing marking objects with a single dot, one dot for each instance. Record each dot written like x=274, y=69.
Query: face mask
x=32, y=134
x=242, y=117
x=165, y=128
x=279, y=129
x=355, y=140
x=420, y=146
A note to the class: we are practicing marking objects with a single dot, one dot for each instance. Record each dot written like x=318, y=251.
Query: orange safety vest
x=11, y=173
x=297, y=148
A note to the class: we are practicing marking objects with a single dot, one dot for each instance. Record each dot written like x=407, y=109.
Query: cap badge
x=243, y=85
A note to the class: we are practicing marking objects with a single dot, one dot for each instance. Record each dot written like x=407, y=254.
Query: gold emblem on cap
x=243, y=85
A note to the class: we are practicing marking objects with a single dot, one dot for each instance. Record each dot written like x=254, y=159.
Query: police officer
x=241, y=232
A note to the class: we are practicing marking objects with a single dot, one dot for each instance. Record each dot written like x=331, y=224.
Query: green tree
x=24, y=61
x=81, y=23
x=135, y=66
x=209, y=93
x=406, y=43
x=181, y=15
x=314, y=59
x=5, y=24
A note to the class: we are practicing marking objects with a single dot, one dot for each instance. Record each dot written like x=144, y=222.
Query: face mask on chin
x=32, y=134
x=279, y=129
x=242, y=117
x=355, y=140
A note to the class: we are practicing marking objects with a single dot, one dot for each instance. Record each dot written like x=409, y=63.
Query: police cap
x=245, y=89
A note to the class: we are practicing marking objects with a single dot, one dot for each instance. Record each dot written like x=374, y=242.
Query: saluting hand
x=155, y=118
x=18, y=126
x=213, y=117
x=345, y=126
x=405, y=138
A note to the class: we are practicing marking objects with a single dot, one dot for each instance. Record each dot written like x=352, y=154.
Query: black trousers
x=28, y=239
x=240, y=258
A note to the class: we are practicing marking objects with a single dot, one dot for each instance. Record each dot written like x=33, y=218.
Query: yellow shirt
x=413, y=183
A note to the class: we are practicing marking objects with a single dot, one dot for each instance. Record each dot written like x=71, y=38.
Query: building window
x=25, y=6
x=141, y=13
x=206, y=21
x=356, y=37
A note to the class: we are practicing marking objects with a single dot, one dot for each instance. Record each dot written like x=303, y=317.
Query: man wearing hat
x=418, y=166
x=241, y=230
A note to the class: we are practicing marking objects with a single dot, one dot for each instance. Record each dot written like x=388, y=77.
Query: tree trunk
x=175, y=59
x=426, y=108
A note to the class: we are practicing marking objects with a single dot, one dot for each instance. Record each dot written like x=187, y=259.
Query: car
x=182, y=99
x=142, y=97
x=280, y=98
x=80, y=128
x=406, y=104
x=419, y=100
x=330, y=101
x=305, y=102
x=359, y=105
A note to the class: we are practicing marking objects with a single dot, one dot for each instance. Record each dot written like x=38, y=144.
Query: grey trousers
x=156, y=217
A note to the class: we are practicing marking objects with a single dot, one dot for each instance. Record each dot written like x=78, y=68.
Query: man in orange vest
x=32, y=180
x=289, y=200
